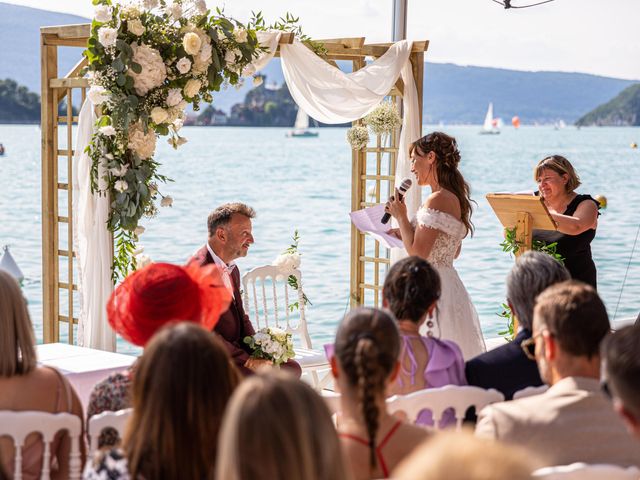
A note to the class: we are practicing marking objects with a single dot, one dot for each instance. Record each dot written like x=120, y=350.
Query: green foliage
x=288, y=23
x=624, y=109
x=292, y=280
x=18, y=104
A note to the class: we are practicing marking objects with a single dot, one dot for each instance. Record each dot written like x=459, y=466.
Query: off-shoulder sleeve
x=442, y=221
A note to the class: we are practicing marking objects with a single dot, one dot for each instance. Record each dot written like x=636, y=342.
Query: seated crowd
x=199, y=414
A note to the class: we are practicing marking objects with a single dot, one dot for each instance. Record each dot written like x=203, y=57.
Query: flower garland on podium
x=147, y=62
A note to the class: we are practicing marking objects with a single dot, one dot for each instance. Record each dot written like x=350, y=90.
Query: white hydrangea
x=288, y=261
x=107, y=36
x=184, y=64
x=191, y=43
x=103, y=13
x=98, y=95
x=135, y=26
x=159, y=115
x=121, y=186
x=154, y=71
x=192, y=88
x=143, y=144
x=205, y=51
x=174, y=97
x=240, y=35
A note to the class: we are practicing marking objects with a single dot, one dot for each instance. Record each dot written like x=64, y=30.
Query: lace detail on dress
x=451, y=231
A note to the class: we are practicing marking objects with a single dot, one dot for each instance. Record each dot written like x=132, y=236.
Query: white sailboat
x=301, y=127
x=490, y=125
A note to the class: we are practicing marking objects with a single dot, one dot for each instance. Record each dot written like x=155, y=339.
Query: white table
x=83, y=367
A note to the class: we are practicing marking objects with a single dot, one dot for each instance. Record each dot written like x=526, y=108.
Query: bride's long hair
x=447, y=159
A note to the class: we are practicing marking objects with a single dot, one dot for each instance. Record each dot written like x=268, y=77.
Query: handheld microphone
x=402, y=189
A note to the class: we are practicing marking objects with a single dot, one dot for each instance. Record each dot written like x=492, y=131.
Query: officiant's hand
x=256, y=364
x=396, y=208
x=395, y=232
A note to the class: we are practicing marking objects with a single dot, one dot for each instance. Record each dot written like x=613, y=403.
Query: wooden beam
x=64, y=83
x=78, y=30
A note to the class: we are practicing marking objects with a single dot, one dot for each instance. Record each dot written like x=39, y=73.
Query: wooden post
x=49, y=110
x=524, y=232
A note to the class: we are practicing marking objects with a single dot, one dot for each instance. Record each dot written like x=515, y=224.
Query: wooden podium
x=522, y=212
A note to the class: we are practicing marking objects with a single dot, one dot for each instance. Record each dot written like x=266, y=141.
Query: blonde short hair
x=461, y=456
x=17, y=342
x=561, y=166
x=276, y=427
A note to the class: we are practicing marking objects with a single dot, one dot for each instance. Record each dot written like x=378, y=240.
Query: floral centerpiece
x=148, y=61
x=271, y=343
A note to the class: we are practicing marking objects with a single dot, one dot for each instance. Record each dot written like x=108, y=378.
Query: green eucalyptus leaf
x=136, y=67
x=121, y=80
x=118, y=65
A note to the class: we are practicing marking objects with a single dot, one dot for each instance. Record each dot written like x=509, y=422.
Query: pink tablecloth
x=83, y=367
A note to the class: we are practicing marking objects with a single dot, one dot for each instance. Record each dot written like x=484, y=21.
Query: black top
x=576, y=249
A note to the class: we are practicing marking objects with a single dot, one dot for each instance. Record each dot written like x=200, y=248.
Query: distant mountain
x=623, y=110
x=452, y=93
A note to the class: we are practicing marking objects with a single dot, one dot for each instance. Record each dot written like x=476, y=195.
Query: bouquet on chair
x=271, y=343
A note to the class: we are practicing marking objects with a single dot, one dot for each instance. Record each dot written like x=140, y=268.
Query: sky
x=600, y=37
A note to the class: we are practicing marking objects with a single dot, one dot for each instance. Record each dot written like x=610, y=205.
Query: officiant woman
x=576, y=216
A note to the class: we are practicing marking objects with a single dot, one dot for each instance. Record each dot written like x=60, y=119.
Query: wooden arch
x=373, y=171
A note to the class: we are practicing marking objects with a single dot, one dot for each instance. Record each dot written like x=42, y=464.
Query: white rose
x=230, y=56
x=249, y=70
x=107, y=130
x=150, y=4
x=176, y=142
x=178, y=123
x=139, y=230
x=121, y=186
x=240, y=35
x=205, y=53
x=135, y=26
x=107, y=36
x=175, y=11
x=159, y=115
x=119, y=171
x=184, y=64
x=97, y=95
x=201, y=6
x=166, y=201
x=191, y=43
x=142, y=260
x=192, y=88
x=103, y=13
x=257, y=81
x=140, y=142
x=174, y=97
x=288, y=261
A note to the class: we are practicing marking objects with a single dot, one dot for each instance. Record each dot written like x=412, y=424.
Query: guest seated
x=181, y=387
x=147, y=300
x=229, y=237
x=621, y=352
x=507, y=368
x=411, y=292
x=277, y=428
x=572, y=421
x=460, y=456
x=365, y=363
x=24, y=386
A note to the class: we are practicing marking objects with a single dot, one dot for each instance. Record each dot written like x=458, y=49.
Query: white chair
x=19, y=425
x=530, y=391
x=459, y=398
x=97, y=423
x=583, y=471
x=267, y=301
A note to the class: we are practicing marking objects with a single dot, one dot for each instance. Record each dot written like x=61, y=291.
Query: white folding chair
x=19, y=425
x=530, y=391
x=583, y=471
x=267, y=302
x=97, y=423
x=437, y=400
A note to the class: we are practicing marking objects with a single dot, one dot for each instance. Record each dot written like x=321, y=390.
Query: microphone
x=402, y=189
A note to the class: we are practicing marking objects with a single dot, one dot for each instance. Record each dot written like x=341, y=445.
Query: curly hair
x=447, y=160
x=410, y=288
x=367, y=348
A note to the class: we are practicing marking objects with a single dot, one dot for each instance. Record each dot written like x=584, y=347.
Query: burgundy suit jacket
x=234, y=324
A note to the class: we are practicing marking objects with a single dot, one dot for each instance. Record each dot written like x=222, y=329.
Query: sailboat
x=491, y=125
x=301, y=127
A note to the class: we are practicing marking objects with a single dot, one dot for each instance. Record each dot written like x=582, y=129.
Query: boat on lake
x=301, y=127
x=491, y=126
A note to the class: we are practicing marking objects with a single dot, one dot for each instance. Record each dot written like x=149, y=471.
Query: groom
x=230, y=236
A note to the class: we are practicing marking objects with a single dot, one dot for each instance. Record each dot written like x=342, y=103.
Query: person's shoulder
x=412, y=433
x=201, y=257
x=110, y=394
x=111, y=464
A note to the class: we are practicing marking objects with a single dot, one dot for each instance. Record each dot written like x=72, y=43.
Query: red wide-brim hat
x=162, y=293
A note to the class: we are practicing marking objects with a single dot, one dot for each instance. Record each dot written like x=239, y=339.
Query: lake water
x=305, y=184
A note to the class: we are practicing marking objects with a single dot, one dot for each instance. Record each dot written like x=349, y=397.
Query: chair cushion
x=310, y=358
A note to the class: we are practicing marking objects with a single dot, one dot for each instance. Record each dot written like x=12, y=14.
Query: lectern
x=524, y=213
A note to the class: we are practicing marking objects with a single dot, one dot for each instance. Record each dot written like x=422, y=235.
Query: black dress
x=576, y=249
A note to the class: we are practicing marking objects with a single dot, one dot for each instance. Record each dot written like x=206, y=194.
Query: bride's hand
x=396, y=208
x=395, y=232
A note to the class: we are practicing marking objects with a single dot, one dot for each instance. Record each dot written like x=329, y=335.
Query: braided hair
x=447, y=160
x=367, y=348
x=410, y=288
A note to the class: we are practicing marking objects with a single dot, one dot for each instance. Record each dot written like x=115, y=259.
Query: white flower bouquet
x=358, y=137
x=271, y=343
x=384, y=119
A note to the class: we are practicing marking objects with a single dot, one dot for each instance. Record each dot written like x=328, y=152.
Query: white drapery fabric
x=93, y=243
x=323, y=91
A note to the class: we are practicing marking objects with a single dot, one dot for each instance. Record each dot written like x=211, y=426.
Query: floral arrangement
x=290, y=260
x=147, y=61
x=272, y=344
x=384, y=119
x=358, y=137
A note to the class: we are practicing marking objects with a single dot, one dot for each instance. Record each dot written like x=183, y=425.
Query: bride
x=436, y=235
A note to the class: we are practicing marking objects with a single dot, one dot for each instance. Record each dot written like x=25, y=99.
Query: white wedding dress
x=456, y=318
